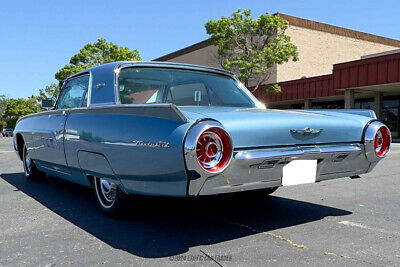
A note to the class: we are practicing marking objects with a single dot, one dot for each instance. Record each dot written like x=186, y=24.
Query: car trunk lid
x=252, y=127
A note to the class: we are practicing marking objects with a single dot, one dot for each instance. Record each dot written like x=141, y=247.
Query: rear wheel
x=30, y=170
x=269, y=191
x=111, y=199
x=260, y=193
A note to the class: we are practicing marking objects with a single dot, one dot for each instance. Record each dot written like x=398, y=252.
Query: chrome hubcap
x=106, y=191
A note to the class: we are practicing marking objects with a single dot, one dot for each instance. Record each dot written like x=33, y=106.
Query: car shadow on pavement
x=170, y=226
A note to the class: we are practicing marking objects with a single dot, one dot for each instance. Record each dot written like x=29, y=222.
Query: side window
x=188, y=94
x=141, y=86
x=140, y=94
x=73, y=92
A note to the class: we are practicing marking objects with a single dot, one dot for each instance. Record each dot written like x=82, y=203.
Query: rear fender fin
x=163, y=111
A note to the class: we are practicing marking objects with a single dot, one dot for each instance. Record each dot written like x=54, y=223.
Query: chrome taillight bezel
x=369, y=141
x=220, y=139
x=190, y=144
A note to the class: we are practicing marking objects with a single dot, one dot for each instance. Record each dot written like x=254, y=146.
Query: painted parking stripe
x=6, y=151
x=366, y=227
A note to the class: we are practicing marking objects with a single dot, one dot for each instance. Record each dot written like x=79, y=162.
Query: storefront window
x=328, y=105
x=297, y=106
x=390, y=115
x=367, y=103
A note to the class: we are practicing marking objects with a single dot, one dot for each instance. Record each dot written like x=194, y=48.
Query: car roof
x=117, y=64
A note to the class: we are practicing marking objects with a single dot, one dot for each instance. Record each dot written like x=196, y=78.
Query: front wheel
x=30, y=170
x=111, y=199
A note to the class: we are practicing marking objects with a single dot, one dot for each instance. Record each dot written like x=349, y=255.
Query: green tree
x=94, y=54
x=3, y=125
x=250, y=47
x=3, y=103
x=49, y=92
x=16, y=108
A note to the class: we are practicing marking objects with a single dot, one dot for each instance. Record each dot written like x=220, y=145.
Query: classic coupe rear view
x=137, y=128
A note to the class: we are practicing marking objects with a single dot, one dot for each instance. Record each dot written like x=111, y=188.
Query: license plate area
x=299, y=172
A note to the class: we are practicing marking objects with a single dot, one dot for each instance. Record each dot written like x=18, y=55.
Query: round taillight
x=213, y=149
x=382, y=141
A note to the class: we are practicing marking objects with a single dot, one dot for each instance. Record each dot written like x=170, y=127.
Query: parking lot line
x=366, y=227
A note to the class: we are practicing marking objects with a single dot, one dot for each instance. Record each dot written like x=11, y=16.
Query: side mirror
x=47, y=104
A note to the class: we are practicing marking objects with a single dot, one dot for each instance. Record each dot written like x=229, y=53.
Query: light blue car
x=166, y=129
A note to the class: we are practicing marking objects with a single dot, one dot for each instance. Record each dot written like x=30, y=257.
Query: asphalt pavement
x=337, y=222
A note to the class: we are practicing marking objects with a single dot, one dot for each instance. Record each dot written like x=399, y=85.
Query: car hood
x=253, y=127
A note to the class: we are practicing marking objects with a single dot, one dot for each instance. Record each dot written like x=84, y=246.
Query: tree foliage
x=94, y=54
x=90, y=55
x=3, y=103
x=16, y=108
x=49, y=92
x=249, y=47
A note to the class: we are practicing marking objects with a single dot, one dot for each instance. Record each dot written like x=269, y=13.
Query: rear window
x=179, y=87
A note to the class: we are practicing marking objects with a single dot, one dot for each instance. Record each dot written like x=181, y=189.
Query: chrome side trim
x=369, y=137
x=56, y=170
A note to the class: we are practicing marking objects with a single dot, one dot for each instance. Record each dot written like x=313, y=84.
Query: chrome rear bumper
x=262, y=168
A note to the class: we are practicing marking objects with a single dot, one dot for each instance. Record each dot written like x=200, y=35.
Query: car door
x=50, y=138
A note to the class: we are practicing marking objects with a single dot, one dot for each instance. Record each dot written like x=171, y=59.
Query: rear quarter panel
x=140, y=169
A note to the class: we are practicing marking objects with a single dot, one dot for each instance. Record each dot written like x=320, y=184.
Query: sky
x=37, y=38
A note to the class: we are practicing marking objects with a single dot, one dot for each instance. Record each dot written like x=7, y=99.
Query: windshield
x=180, y=87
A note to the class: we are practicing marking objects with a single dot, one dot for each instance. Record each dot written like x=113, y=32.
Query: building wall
x=204, y=56
x=318, y=51
x=207, y=56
